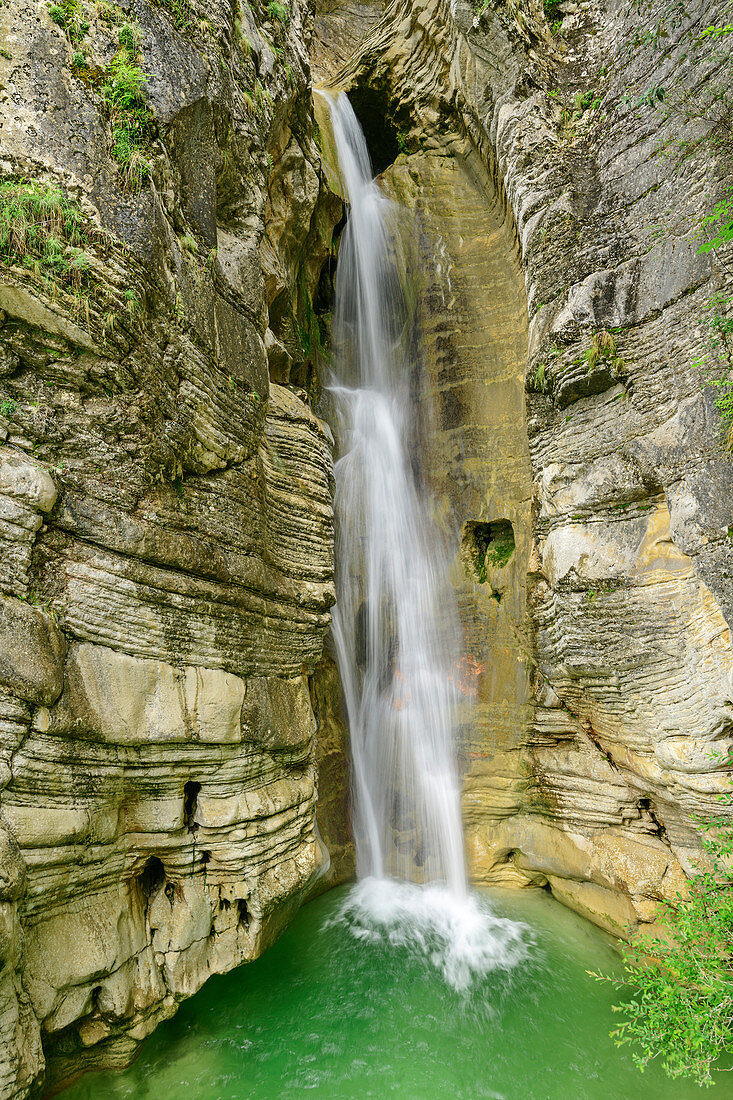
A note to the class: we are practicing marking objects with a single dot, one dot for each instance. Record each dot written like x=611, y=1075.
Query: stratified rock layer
x=598, y=649
x=165, y=486
x=166, y=529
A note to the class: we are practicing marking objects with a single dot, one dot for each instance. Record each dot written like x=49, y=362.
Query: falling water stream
x=395, y=623
x=393, y=603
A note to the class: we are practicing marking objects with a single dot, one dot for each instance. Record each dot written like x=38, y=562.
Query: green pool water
x=330, y=1013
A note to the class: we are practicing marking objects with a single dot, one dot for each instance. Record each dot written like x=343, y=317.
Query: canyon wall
x=166, y=526
x=173, y=769
x=559, y=212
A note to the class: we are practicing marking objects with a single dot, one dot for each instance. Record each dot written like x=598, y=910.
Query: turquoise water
x=327, y=1014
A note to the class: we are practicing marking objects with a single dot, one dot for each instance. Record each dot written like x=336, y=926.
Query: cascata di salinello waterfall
x=395, y=624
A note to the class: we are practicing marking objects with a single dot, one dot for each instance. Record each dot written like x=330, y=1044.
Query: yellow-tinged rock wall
x=599, y=656
x=172, y=747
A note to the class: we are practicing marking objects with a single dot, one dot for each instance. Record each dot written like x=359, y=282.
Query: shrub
x=131, y=120
x=124, y=86
x=551, y=9
x=128, y=37
x=681, y=1006
x=603, y=348
x=67, y=15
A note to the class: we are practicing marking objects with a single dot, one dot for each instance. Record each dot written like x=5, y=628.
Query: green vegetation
x=500, y=549
x=182, y=14
x=405, y=143
x=681, y=1007
x=552, y=9
x=110, y=13
x=553, y=15
x=262, y=98
x=583, y=102
x=69, y=17
x=132, y=302
x=131, y=120
x=587, y=101
x=8, y=408
x=603, y=350
x=46, y=233
x=239, y=33
x=129, y=38
x=121, y=84
x=279, y=12
x=43, y=603
x=487, y=545
x=708, y=104
x=721, y=217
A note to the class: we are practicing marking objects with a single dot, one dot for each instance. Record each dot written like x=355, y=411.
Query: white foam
x=460, y=936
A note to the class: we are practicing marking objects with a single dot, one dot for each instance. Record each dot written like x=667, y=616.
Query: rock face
x=577, y=458
x=166, y=526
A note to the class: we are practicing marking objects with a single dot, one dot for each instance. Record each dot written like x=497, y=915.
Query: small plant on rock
x=278, y=12
x=131, y=120
x=603, y=350
x=68, y=15
x=46, y=233
x=551, y=9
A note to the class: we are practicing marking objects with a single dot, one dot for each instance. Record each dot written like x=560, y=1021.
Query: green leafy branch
x=679, y=1009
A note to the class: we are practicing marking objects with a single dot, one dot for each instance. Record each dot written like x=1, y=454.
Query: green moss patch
x=487, y=546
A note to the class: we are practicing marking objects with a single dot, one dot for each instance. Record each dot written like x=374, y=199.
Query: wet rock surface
x=598, y=668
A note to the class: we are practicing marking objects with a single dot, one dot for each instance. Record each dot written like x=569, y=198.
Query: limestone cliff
x=165, y=514
x=165, y=471
x=578, y=459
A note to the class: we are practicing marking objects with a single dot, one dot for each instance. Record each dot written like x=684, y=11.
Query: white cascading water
x=394, y=623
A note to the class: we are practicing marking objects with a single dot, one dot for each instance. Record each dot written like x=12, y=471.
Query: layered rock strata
x=166, y=527
x=165, y=484
x=544, y=175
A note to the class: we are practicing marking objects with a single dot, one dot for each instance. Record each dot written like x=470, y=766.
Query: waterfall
x=394, y=620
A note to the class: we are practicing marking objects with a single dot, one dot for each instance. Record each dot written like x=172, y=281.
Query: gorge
x=174, y=764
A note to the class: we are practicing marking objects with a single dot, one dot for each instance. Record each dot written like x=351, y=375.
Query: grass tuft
x=46, y=233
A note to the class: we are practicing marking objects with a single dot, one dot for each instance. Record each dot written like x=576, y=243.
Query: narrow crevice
x=244, y=917
x=190, y=803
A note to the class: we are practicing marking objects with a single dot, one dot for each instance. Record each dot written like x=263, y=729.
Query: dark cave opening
x=244, y=916
x=487, y=545
x=152, y=877
x=384, y=123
